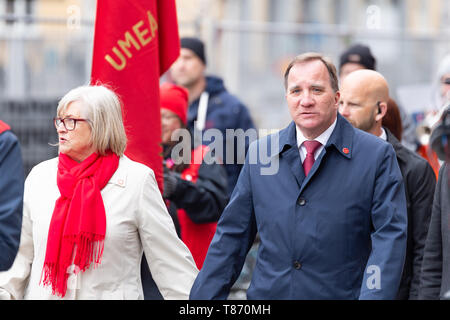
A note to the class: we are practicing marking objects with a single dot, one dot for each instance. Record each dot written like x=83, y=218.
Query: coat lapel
x=292, y=157
x=341, y=139
x=290, y=153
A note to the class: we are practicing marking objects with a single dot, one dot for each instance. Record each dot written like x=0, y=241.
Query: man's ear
x=337, y=98
x=381, y=111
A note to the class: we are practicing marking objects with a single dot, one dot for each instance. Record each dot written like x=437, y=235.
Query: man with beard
x=210, y=104
x=364, y=102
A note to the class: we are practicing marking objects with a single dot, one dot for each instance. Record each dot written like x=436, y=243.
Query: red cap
x=175, y=99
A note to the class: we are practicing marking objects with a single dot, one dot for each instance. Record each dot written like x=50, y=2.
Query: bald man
x=363, y=102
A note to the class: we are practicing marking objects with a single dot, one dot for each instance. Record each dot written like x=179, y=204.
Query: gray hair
x=102, y=107
x=444, y=67
x=310, y=56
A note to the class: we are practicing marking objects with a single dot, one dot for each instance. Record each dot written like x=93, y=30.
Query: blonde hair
x=102, y=107
x=310, y=56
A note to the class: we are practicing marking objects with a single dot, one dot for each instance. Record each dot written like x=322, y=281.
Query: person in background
x=443, y=76
x=435, y=275
x=364, y=103
x=91, y=212
x=210, y=104
x=196, y=191
x=356, y=57
x=359, y=56
x=392, y=119
x=433, y=116
x=331, y=216
x=11, y=196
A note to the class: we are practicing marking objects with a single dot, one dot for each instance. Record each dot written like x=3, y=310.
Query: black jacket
x=203, y=200
x=420, y=182
x=435, y=276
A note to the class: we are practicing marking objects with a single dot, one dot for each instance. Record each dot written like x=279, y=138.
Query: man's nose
x=306, y=100
x=343, y=110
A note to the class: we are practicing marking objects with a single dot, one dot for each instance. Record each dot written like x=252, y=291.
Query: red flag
x=4, y=126
x=135, y=42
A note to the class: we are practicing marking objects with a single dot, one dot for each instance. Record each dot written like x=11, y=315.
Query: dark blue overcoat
x=339, y=233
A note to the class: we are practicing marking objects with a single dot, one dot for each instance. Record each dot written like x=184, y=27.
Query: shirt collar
x=383, y=134
x=341, y=138
x=323, y=138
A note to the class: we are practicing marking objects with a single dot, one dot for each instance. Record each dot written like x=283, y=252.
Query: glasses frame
x=169, y=117
x=62, y=120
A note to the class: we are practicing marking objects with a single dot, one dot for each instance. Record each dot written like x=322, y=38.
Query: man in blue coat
x=11, y=196
x=331, y=217
x=211, y=106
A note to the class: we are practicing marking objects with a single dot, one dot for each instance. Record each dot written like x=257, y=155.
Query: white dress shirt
x=323, y=139
x=383, y=134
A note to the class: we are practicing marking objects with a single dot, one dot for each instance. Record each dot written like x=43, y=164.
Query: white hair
x=444, y=67
x=102, y=107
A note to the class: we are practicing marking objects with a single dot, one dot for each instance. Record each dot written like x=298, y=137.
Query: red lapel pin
x=346, y=150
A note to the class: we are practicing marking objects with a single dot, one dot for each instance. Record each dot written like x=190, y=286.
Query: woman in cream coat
x=136, y=216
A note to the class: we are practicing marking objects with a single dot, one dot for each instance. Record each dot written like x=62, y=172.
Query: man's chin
x=351, y=122
x=184, y=82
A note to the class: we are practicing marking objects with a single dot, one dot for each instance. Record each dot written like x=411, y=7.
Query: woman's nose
x=61, y=128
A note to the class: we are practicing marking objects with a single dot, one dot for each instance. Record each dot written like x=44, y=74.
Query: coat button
x=301, y=202
x=297, y=265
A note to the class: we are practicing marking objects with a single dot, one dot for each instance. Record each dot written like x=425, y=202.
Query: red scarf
x=78, y=226
x=3, y=126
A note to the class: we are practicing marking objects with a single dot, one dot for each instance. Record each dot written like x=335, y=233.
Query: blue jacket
x=225, y=111
x=339, y=233
x=11, y=198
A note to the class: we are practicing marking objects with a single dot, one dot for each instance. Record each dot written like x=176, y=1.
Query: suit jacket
x=136, y=221
x=420, y=181
x=435, y=276
x=339, y=233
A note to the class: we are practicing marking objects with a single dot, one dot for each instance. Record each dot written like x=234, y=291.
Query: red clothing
x=426, y=152
x=3, y=126
x=197, y=237
x=78, y=226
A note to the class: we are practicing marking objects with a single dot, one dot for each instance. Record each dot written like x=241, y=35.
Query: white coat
x=136, y=220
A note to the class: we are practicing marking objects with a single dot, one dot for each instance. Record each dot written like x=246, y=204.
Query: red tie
x=311, y=147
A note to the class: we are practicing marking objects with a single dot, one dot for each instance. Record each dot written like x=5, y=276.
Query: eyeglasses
x=69, y=123
x=168, y=117
x=446, y=81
